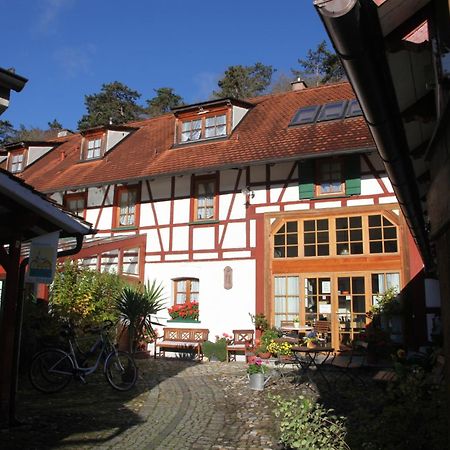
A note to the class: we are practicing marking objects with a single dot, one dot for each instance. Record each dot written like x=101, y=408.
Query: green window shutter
x=306, y=177
x=352, y=172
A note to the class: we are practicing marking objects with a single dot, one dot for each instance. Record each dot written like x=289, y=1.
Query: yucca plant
x=136, y=306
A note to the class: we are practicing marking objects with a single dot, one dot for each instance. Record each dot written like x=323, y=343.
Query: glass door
x=351, y=294
x=286, y=298
x=317, y=295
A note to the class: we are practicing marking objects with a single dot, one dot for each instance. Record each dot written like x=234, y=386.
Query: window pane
x=390, y=247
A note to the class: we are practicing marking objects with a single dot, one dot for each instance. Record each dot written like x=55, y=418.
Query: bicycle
x=52, y=369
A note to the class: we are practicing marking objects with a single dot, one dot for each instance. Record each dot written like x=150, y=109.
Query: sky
x=68, y=48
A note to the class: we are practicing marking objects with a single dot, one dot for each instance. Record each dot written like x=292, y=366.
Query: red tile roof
x=262, y=136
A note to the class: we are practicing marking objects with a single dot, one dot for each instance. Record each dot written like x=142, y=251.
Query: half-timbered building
x=277, y=205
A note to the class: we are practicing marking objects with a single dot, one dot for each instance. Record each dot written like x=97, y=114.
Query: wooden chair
x=322, y=328
x=349, y=362
x=241, y=340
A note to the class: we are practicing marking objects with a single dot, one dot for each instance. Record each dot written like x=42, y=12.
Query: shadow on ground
x=83, y=415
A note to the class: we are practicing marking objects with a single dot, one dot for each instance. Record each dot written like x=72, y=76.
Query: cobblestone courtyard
x=176, y=405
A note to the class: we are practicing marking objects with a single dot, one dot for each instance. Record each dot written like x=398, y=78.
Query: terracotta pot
x=311, y=344
x=265, y=355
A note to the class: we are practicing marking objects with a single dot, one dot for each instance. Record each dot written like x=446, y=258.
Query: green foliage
x=84, y=296
x=217, y=349
x=388, y=303
x=268, y=336
x=6, y=132
x=115, y=102
x=54, y=125
x=163, y=102
x=136, y=306
x=244, y=81
x=260, y=321
x=309, y=426
x=257, y=366
x=320, y=66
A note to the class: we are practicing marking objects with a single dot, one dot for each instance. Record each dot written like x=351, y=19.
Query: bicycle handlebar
x=107, y=324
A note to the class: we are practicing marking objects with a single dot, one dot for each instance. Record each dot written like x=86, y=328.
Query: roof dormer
x=23, y=154
x=208, y=120
x=98, y=141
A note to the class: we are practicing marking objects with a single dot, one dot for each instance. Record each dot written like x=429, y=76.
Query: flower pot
x=311, y=344
x=257, y=381
x=297, y=325
x=250, y=358
x=265, y=355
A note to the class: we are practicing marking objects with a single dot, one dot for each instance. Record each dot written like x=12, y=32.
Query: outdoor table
x=302, y=329
x=306, y=358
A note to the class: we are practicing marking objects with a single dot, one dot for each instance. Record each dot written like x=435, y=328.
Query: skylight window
x=307, y=114
x=354, y=108
x=332, y=111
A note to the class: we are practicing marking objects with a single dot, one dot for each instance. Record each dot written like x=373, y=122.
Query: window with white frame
x=94, y=148
x=205, y=127
x=16, y=164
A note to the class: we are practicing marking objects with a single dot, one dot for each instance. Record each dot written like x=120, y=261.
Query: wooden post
x=8, y=327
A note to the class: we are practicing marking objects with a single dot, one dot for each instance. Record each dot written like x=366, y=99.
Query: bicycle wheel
x=120, y=371
x=51, y=370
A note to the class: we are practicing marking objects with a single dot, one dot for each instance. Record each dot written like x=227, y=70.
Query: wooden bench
x=182, y=340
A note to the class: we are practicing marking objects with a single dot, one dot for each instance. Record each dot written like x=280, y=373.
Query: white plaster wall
x=203, y=238
x=57, y=197
x=257, y=173
x=235, y=235
x=165, y=235
x=275, y=191
x=152, y=241
x=160, y=188
x=291, y=193
x=252, y=233
x=228, y=180
x=181, y=210
x=260, y=196
x=297, y=207
x=162, y=212
x=180, y=239
x=387, y=183
x=224, y=205
x=370, y=186
x=182, y=186
x=221, y=310
x=237, y=114
x=321, y=205
x=97, y=194
x=147, y=218
x=360, y=202
x=114, y=137
x=105, y=222
x=281, y=171
x=36, y=152
x=376, y=161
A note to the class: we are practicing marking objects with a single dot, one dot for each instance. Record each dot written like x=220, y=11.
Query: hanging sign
x=43, y=251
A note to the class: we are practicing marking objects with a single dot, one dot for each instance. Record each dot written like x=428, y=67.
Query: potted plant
x=188, y=311
x=257, y=371
x=136, y=306
x=280, y=348
x=262, y=351
x=311, y=341
x=296, y=322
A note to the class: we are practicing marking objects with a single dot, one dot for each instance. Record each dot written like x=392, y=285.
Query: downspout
x=354, y=29
x=19, y=319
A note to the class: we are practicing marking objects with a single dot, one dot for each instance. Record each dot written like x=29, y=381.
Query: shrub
x=84, y=296
x=309, y=426
x=217, y=349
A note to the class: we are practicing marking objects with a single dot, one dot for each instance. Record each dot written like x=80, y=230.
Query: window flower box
x=184, y=311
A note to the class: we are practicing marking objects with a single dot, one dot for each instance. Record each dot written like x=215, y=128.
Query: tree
x=6, y=132
x=281, y=84
x=320, y=66
x=244, y=81
x=115, y=103
x=54, y=125
x=163, y=102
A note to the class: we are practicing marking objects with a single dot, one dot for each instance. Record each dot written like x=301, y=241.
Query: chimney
x=298, y=84
x=63, y=133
